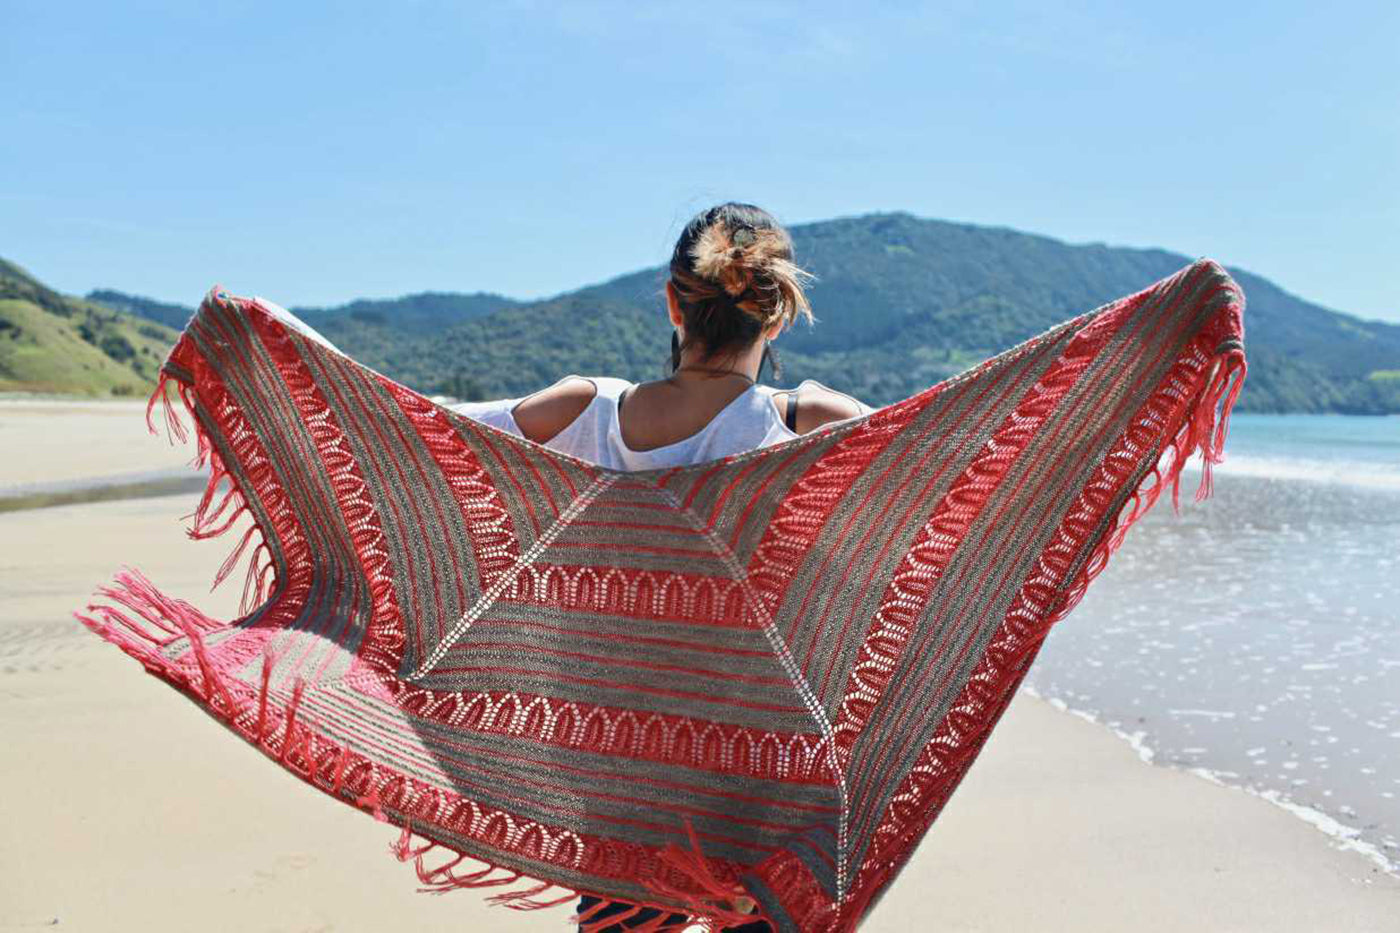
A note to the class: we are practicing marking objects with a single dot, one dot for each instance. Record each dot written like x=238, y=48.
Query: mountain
x=902, y=302
x=53, y=343
x=171, y=315
x=422, y=314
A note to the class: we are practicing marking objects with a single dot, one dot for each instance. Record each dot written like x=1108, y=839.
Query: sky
x=314, y=153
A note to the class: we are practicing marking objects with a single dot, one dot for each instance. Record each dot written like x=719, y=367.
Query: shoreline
x=1341, y=836
x=139, y=484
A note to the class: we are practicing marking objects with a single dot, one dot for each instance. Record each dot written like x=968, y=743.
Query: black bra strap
x=791, y=417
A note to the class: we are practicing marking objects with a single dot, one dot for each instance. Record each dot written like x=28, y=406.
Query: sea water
x=1255, y=638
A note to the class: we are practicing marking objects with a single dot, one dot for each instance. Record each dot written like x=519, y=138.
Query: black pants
x=647, y=913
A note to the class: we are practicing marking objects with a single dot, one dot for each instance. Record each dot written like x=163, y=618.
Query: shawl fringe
x=212, y=518
x=170, y=638
x=1201, y=424
x=148, y=625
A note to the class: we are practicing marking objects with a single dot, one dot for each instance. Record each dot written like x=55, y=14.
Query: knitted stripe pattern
x=761, y=676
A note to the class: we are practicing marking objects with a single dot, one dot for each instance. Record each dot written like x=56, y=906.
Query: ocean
x=1254, y=639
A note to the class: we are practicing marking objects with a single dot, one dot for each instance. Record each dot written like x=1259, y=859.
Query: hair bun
x=720, y=257
x=734, y=276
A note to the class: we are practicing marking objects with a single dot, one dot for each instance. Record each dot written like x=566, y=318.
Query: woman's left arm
x=496, y=413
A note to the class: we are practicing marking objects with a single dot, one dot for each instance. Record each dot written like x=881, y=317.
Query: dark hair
x=734, y=276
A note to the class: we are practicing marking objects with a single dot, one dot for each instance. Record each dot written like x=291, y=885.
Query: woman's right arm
x=538, y=417
x=495, y=413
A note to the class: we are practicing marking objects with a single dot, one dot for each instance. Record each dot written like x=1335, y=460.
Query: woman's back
x=756, y=418
x=623, y=426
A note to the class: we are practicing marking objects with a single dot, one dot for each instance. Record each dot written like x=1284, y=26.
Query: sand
x=46, y=442
x=126, y=808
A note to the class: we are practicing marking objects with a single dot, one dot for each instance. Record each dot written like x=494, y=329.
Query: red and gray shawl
x=762, y=676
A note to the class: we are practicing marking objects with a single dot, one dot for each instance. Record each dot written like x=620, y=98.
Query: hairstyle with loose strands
x=735, y=277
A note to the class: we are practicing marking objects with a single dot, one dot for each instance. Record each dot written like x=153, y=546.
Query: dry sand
x=126, y=808
x=45, y=441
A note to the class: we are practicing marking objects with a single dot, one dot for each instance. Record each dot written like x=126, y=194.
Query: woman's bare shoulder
x=549, y=411
x=818, y=405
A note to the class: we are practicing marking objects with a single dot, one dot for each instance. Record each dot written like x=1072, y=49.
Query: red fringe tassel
x=172, y=423
x=715, y=897
x=216, y=512
x=1202, y=429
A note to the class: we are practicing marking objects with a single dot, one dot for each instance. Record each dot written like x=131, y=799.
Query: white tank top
x=749, y=422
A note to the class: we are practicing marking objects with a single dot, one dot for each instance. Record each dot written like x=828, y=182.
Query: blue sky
x=314, y=153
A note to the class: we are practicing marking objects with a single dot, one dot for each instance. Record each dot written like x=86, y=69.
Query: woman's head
x=733, y=280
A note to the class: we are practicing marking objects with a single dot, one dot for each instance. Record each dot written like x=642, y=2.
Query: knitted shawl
x=759, y=676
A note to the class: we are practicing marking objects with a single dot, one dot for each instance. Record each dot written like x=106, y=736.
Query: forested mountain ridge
x=422, y=313
x=902, y=302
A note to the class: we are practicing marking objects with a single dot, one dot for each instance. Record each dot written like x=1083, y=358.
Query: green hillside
x=902, y=302
x=52, y=343
x=423, y=314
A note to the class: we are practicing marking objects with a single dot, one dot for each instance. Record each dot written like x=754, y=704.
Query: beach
x=127, y=808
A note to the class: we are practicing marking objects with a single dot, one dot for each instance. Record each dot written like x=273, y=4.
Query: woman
x=733, y=288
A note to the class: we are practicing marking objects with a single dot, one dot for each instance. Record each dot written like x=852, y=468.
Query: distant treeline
x=902, y=303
